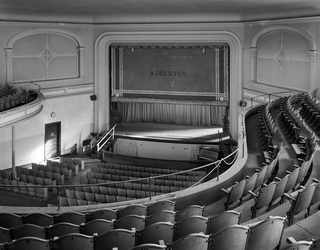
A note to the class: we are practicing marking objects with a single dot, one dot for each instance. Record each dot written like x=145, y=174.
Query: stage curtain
x=172, y=113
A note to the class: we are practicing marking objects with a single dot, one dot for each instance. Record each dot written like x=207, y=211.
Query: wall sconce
x=53, y=115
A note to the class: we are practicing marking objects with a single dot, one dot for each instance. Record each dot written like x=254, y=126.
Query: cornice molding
x=214, y=18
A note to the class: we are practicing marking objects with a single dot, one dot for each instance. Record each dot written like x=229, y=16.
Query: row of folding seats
x=41, y=173
x=24, y=188
x=311, y=114
x=197, y=173
x=269, y=195
x=291, y=130
x=143, y=185
x=68, y=164
x=8, y=220
x=36, y=180
x=109, y=194
x=123, y=177
x=55, y=169
x=267, y=149
x=231, y=237
x=65, y=202
x=239, y=191
x=140, y=173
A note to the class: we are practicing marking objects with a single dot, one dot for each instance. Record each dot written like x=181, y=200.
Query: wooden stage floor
x=170, y=132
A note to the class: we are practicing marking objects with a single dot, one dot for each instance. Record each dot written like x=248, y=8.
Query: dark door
x=52, y=140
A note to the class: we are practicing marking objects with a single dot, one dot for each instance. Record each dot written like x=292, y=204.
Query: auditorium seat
x=301, y=202
x=62, y=228
x=97, y=226
x=231, y=237
x=292, y=179
x=39, y=219
x=132, y=209
x=280, y=189
x=73, y=241
x=150, y=247
x=5, y=235
x=193, y=241
x=28, y=230
x=263, y=199
x=156, y=232
x=122, y=239
x=9, y=220
x=298, y=245
x=272, y=227
x=189, y=211
x=71, y=217
x=223, y=220
x=28, y=243
x=161, y=216
x=106, y=214
x=193, y=224
x=130, y=221
x=234, y=194
x=161, y=205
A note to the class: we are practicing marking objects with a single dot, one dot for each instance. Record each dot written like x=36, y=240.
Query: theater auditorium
x=159, y=125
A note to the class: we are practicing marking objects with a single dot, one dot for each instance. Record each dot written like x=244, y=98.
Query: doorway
x=52, y=140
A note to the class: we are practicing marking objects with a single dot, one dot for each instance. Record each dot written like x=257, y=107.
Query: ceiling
x=207, y=9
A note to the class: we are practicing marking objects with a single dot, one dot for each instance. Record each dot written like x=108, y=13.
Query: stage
x=165, y=141
x=170, y=133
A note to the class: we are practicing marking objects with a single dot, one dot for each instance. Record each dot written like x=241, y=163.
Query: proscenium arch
x=20, y=35
x=102, y=73
x=262, y=33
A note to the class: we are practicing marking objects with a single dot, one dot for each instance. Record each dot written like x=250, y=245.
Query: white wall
x=75, y=115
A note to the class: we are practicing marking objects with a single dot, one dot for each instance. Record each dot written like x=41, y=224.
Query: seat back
x=28, y=243
x=8, y=220
x=192, y=210
x=161, y=216
x=74, y=241
x=39, y=219
x=194, y=241
x=28, y=230
x=261, y=176
x=264, y=198
x=161, y=205
x=292, y=180
x=250, y=183
x=236, y=193
x=193, y=224
x=106, y=214
x=304, y=198
x=158, y=231
x=280, y=188
x=272, y=227
x=4, y=235
x=97, y=226
x=61, y=228
x=122, y=239
x=70, y=217
x=223, y=220
x=231, y=237
x=130, y=221
x=150, y=247
x=133, y=209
